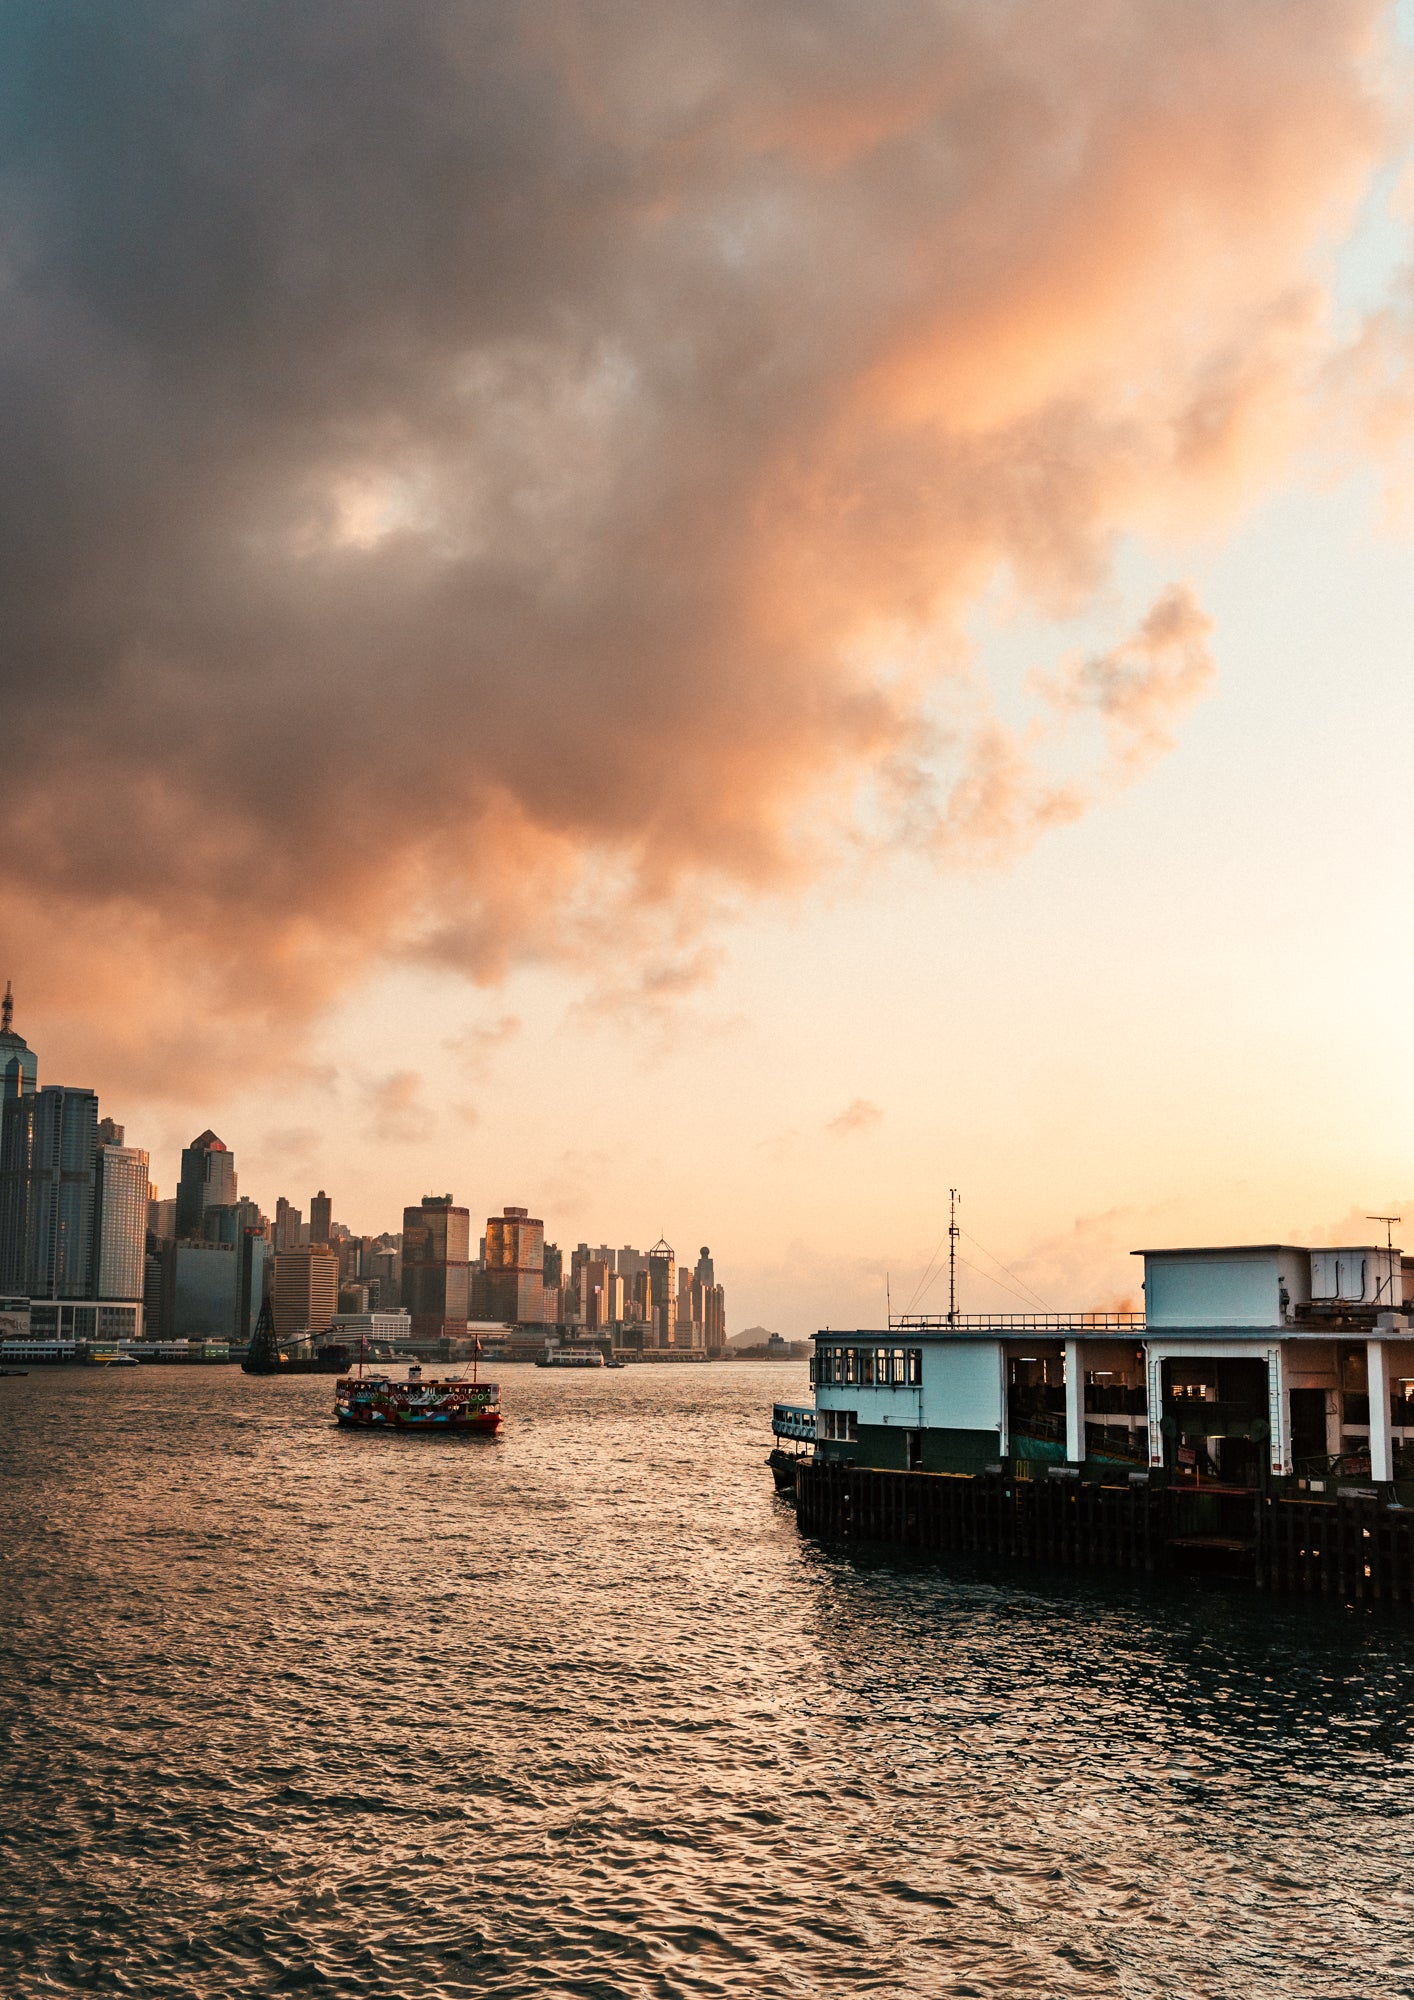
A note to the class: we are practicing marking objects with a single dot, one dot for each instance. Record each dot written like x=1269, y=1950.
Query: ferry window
x=866, y=1366
x=814, y=1373
x=881, y=1366
x=915, y=1364
x=896, y=1366
x=851, y=1418
x=850, y=1360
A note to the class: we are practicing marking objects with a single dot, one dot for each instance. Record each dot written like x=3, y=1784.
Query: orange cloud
x=463, y=463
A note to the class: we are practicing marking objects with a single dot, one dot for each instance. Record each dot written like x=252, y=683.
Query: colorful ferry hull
x=377, y=1402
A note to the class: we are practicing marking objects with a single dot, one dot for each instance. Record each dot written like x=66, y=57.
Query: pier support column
x=1377, y=1371
x=1074, y=1404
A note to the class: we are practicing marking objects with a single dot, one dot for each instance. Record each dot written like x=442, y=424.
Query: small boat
x=380, y=1400
x=6, y=1372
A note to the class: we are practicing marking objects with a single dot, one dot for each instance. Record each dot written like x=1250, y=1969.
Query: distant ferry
x=571, y=1357
x=379, y=1400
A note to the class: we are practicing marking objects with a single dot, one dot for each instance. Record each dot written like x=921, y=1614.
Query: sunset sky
x=712, y=619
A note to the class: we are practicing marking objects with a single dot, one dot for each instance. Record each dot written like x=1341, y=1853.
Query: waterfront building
x=208, y=1180
x=379, y=1329
x=321, y=1215
x=662, y=1293
x=436, y=1268
x=120, y=1209
x=306, y=1291
x=1257, y=1379
x=19, y=1066
x=511, y=1287
x=48, y=1148
x=211, y=1289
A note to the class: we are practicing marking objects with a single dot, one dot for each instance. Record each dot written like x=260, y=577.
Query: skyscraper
x=436, y=1267
x=514, y=1282
x=704, y=1273
x=287, y=1225
x=306, y=1294
x=663, y=1292
x=120, y=1207
x=19, y=1066
x=208, y=1178
x=321, y=1214
x=48, y=1146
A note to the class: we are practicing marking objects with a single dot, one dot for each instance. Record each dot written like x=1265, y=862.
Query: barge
x=1257, y=1417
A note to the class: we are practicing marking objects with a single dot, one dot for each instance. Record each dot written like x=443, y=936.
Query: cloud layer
x=478, y=476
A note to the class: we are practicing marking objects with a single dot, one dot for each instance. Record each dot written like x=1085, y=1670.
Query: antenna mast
x=7, y=1010
x=953, y=1233
x=1389, y=1222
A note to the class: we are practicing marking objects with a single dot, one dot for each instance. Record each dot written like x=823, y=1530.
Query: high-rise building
x=704, y=1273
x=120, y=1209
x=161, y=1217
x=306, y=1295
x=208, y=1180
x=435, y=1267
x=48, y=1146
x=662, y=1292
x=288, y=1226
x=19, y=1066
x=321, y=1215
x=514, y=1273
x=110, y=1133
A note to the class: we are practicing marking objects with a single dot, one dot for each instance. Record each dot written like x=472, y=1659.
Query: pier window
x=915, y=1365
x=866, y=1367
x=896, y=1367
x=838, y=1426
x=851, y=1359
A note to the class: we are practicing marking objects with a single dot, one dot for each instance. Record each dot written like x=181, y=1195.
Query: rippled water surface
x=578, y=1712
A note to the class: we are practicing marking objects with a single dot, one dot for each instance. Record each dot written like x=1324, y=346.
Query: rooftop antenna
x=953, y=1233
x=7, y=1011
x=888, y=1302
x=1389, y=1222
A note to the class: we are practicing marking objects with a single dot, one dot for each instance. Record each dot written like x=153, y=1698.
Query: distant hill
x=754, y=1336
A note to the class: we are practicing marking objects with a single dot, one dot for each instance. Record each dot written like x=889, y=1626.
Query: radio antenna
x=1389, y=1222
x=953, y=1233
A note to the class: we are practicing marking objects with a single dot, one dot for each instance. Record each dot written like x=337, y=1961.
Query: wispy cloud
x=858, y=1116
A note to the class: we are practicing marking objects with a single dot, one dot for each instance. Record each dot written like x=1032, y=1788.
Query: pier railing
x=1043, y=1322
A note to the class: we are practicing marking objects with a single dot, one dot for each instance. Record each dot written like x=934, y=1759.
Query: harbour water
x=576, y=1711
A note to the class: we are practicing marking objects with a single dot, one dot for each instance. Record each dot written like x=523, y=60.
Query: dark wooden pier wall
x=1353, y=1548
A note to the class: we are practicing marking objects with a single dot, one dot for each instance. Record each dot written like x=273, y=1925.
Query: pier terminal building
x=1261, y=1382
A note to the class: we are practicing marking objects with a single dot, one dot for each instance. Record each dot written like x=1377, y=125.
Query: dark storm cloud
x=464, y=466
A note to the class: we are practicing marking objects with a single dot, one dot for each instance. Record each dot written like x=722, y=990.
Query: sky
x=716, y=620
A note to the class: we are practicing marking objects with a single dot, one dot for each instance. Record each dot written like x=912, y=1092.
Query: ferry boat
x=380, y=1400
x=571, y=1357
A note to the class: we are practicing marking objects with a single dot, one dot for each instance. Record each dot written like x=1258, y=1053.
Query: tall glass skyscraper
x=120, y=1200
x=208, y=1181
x=48, y=1161
x=19, y=1067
